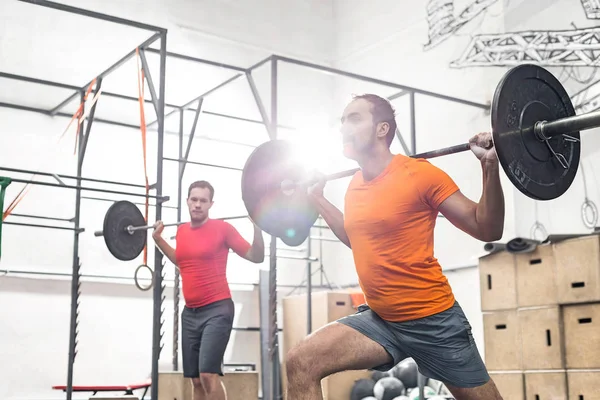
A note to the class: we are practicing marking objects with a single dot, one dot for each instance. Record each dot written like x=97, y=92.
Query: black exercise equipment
x=362, y=388
x=388, y=388
x=408, y=372
x=520, y=245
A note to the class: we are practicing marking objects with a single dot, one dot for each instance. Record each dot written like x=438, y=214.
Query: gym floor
x=109, y=110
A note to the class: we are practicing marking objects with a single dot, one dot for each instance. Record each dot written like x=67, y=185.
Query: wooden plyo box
x=542, y=338
x=582, y=335
x=498, y=282
x=502, y=338
x=240, y=385
x=583, y=385
x=546, y=386
x=578, y=270
x=536, y=277
x=509, y=384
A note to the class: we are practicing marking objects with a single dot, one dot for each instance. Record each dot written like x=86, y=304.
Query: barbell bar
x=124, y=230
x=287, y=185
x=543, y=130
x=535, y=132
x=131, y=228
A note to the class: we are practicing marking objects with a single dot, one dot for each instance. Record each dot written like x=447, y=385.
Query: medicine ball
x=388, y=388
x=414, y=394
x=362, y=388
x=408, y=372
x=377, y=375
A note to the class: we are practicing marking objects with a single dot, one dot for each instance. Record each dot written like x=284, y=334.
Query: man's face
x=199, y=203
x=358, y=130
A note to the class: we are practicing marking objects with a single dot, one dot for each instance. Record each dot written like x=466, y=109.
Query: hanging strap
x=80, y=116
x=141, y=98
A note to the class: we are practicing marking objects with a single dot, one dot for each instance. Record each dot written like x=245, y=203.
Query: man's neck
x=197, y=224
x=373, y=165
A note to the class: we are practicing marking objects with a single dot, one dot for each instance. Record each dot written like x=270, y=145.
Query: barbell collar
x=568, y=125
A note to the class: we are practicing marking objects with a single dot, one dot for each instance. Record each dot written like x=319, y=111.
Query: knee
x=299, y=366
x=210, y=382
x=197, y=383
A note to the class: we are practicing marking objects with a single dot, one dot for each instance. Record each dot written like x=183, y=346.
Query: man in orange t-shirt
x=391, y=208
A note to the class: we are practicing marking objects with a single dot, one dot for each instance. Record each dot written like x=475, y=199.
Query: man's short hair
x=382, y=111
x=202, y=185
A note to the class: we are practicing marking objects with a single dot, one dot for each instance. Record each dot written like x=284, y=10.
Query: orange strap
x=143, y=129
x=77, y=115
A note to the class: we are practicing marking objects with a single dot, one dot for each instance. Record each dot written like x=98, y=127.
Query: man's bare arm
x=331, y=214
x=256, y=254
x=483, y=220
x=162, y=244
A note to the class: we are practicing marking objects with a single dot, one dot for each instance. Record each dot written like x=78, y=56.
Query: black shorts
x=205, y=334
x=442, y=344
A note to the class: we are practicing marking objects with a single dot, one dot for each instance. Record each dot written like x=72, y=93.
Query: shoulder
x=183, y=232
x=356, y=179
x=422, y=167
x=184, y=227
x=221, y=225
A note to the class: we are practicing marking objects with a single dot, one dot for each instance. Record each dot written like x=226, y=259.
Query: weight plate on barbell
x=525, y=95
x=123, y=245
x=287, y=215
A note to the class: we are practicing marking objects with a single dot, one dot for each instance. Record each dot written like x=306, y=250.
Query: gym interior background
x=453, y=52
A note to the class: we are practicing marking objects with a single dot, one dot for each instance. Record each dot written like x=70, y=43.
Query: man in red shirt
x=207, y=319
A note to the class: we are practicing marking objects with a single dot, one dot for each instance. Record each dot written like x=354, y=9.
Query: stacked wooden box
x=240, y=385
x=541, y=317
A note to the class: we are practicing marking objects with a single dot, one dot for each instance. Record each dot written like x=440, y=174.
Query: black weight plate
x=527, y=94
x=288, y=216
x=123, y=245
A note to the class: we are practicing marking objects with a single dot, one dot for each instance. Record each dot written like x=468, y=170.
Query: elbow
x=492, y=234
x=257, y=257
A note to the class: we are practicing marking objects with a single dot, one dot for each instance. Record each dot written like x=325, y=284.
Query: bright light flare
x=318, y=150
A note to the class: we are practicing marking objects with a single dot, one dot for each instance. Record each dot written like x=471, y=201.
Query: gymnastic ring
x=538, y=227
x=589, y=205
x=136, y=279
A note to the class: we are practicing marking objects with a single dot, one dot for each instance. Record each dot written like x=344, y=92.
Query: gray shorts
x=205, y=333
x=442, y=344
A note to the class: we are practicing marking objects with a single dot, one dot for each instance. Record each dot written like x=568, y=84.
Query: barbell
x=124, y=230
x=535, y=132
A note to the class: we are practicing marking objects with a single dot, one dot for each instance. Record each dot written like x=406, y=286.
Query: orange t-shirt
x=390, y=221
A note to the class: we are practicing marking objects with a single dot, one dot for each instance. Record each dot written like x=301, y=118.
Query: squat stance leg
x=333, y=348
x=209, y=387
